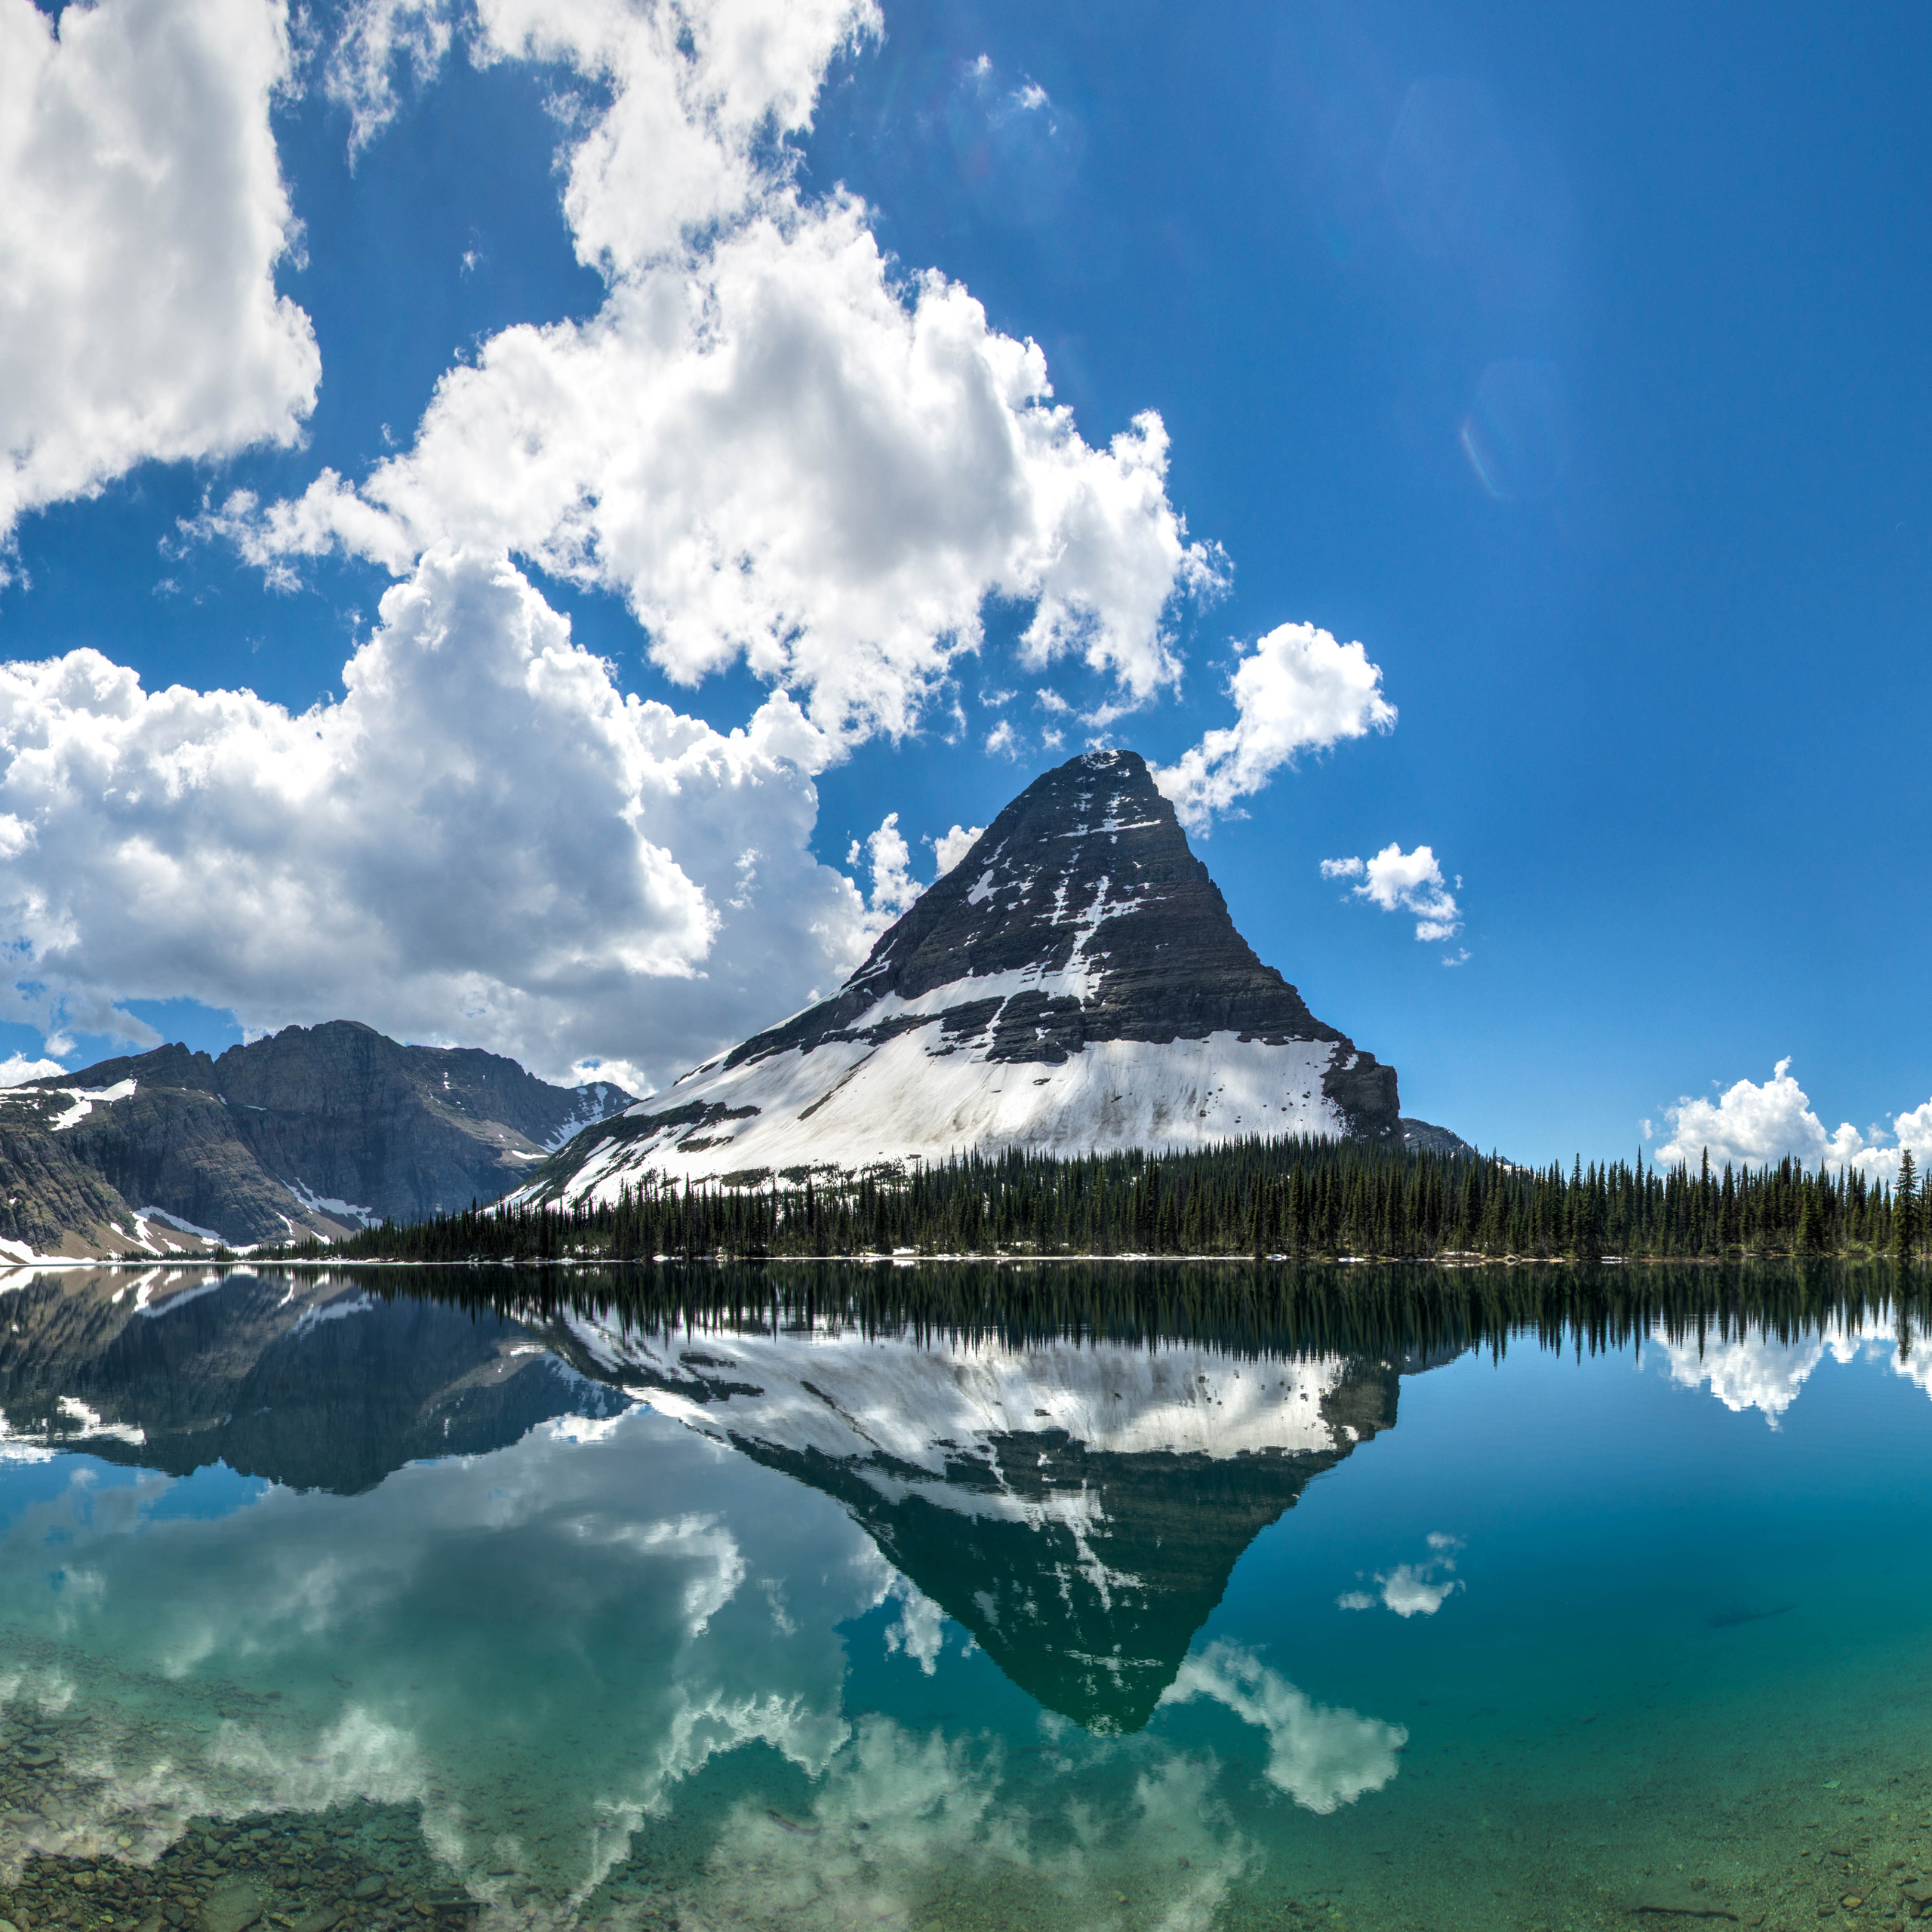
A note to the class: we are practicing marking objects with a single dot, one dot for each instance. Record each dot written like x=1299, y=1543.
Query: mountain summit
x=1074, y=984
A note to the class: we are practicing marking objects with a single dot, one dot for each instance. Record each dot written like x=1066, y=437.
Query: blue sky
x=1571, y=364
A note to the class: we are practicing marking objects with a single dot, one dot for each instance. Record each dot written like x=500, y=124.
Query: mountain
x=312, y=1130
x=1074, y=983
x=1422, y=1137
x=1078, y=1506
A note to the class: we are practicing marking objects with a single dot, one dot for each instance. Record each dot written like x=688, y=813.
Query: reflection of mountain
x=1079, y=1508
x=302, y=1382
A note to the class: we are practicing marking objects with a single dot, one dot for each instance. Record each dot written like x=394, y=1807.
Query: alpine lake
x=1119, y=1595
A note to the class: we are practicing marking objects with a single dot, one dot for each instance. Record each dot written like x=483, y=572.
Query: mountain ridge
x=311, y=1130
x=1079, y=947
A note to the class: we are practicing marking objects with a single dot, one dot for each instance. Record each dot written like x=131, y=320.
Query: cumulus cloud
x=893, y=887
x=949, y=847
x=1323, y=1758
x=1297, y=690
x=1400, y=882
x=919, y=1633
x=1751, y=1125
x=142, y=215
x=15, y=1070
x=772, y=444
x=483, y=839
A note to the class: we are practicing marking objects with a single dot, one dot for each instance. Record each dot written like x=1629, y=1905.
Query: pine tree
x=1904, y=1208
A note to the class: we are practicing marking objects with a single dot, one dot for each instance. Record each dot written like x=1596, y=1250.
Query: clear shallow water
x=1384, y=1610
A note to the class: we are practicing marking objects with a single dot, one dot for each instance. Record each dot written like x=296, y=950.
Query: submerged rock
x=233, y=1906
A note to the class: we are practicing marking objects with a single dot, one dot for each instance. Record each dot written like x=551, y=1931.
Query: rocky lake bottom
x=324, y=1605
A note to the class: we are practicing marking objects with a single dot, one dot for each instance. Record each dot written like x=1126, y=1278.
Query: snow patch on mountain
x=852, y=1104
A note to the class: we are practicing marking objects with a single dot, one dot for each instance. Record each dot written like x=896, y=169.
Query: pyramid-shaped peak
x=1075, y=984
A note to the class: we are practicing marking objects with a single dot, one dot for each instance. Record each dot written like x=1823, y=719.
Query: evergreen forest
x=1288, y=1198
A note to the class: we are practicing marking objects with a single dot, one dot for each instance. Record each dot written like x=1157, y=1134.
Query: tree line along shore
x=1295, y=1197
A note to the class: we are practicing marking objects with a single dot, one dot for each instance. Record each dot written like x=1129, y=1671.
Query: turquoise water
x=1396, y=1613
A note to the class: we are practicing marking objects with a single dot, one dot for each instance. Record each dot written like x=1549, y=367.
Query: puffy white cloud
x=1323, y=1758
x=949, y=847
x=696, y=91
x=773, y=444
x=1405, y=881
x=1754, y=1125
x=772, y=453
x=920, y=1632
x=893, y=887
x=15, y=1070
x=483, y=840
x=1750, y=1125
x=1297, y=690
x=142, y=215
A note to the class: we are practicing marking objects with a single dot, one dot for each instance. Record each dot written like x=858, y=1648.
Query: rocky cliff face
x=1074, y=983
x=315, y=1130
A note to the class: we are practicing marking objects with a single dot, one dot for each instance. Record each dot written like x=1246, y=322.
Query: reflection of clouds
x=902, y=1819
x=534, y=1627
x=542, y=1647
x=921, y=1628
x=1753, y=1370
x=1413, y=1589
x=1749, y=1373
x=1321, y=1758
x=716, y=1568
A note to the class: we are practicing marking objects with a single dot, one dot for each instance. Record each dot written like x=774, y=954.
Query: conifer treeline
x=1295, y=1197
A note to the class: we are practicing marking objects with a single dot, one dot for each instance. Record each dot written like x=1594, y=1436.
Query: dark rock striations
x=1075, y=983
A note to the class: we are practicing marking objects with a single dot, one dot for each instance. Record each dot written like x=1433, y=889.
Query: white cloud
x=1409, y=1590
x=1297, y=690
x=17, y=1069
x=949, y=847
x=142, y=215
x=893, y=887
x=1751, y=1125
x=1003, y=740
x=695, y=90
x=1322, y=1758
x=773, y=444
x=1405, y=881
x=483, y=840
x=1754, y=1125
x=378, y=39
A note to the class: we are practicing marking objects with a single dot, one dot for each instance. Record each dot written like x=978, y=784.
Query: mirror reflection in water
x=1122, y=1597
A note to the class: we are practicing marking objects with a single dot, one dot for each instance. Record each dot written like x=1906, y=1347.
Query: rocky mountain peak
x=1085, y=886
x=1075, y=984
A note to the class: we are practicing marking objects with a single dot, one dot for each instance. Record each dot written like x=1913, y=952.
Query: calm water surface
x=919, y=1598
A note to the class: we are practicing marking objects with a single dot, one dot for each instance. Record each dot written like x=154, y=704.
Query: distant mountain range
x=315, y=1129
x=1075, y=984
